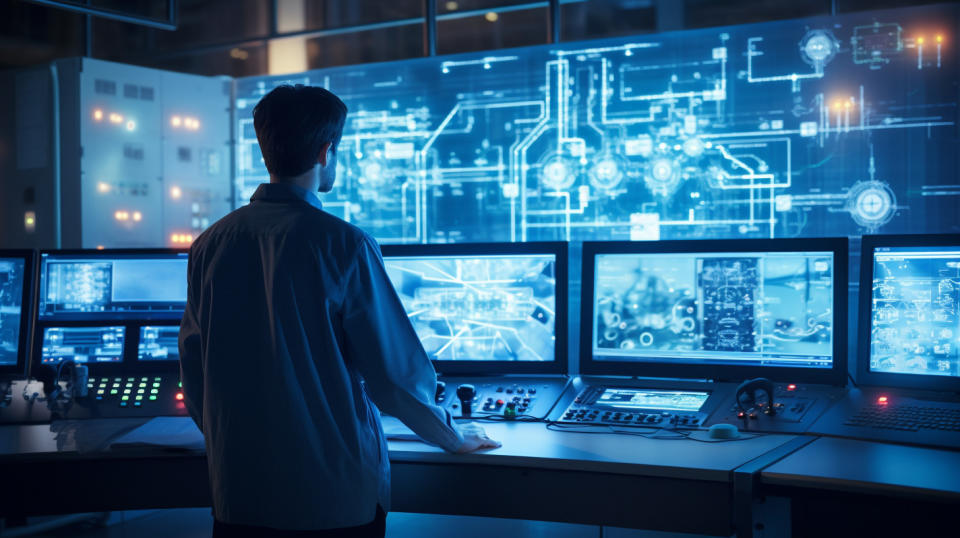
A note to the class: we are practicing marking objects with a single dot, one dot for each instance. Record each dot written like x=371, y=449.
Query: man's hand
x=474, y=438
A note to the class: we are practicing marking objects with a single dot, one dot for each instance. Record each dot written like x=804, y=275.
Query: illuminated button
x=153, y=397
x=143, y=385
x=126, y=391
x=154, y=391
x=791, y=387
x=125, y=397
x=123, y=404
x=139, y=397
x=117, y=379
x=141, y=391
x=101, y=391
x=179, y=384
x=156, y=379
x=114, y=391
x=156, y=385
x=137, y=404
x=116, y=385
x=179, y=396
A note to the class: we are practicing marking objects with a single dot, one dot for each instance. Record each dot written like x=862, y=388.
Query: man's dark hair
x=293, y=123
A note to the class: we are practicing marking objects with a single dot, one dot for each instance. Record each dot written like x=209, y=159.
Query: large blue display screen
x=822, y=126
x=915, y=324
x=464, y=308
x=743, y=308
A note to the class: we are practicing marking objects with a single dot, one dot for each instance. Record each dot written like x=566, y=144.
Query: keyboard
x=909, y=418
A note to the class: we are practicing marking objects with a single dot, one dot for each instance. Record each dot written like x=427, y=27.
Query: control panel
x=794, y=409
x=897, y=415
x=41, y=401
x=630, y=402
x=506, y=396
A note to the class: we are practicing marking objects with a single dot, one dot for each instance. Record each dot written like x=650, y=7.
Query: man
x=288, y=309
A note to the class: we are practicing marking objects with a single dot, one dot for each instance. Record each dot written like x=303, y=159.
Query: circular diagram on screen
x=871, y=204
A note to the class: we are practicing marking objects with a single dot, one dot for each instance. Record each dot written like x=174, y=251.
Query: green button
x=153, y=397
x=156, y=379
x=154, y=391
x=139, y=397
x=180, y=384
x=142, y=385
x=114, y=391
x=124, y=397
x=156, y=384
x=126, y=391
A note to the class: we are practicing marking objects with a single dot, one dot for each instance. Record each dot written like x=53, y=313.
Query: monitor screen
x=159, y=343
x=11, y=308
x=720, y=308
x=107, y=285
x=480, y=307
x=82, y=344
x=915, y=326
x=663, y=400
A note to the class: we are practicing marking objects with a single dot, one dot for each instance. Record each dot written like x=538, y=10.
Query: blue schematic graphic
x=814, y=127
x=915, y=326
x=11, y=297
x=499, y=308
x=750, y=308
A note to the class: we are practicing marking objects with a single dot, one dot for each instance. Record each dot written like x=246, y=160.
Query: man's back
x=281, y=324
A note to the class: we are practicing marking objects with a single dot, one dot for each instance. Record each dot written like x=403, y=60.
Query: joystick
x=441, y=388
x=466, y=393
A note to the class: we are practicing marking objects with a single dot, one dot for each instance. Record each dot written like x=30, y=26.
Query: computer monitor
x=721, y=310
x=116, y=310
x=485, y=308
x=909, y=330
x=112, y=285
x=16, y=293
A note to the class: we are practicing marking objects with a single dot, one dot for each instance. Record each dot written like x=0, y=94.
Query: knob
x=441, y=388
x=466, y=393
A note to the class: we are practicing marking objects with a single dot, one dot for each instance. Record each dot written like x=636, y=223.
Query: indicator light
x=116, y=118
x=131, y=125
x=882, y=400
x=137, y=216
x=175, y=192
x=176, y=121
x=97, y=115
x=179, y=396
x=939, y=39
x=920, y=40
x=791, y=387
x=29, y=221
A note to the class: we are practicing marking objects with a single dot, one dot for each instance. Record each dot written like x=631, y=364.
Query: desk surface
x=524, y=445
x=867, y=467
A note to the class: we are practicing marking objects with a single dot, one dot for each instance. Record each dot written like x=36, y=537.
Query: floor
x=196, y=523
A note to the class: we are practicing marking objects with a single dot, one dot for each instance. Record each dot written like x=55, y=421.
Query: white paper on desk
x=397, y=431
x=163, y=432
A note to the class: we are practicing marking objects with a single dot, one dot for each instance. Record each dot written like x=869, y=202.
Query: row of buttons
x=593, y=415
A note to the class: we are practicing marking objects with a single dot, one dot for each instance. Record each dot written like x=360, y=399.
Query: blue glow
x=915, y=327
x=159, y=344
x=112, y=286
x=816, y=127
x=660, y=400
x=745, y=308
x=479, y=307
x=82, y=344
x=11, y=297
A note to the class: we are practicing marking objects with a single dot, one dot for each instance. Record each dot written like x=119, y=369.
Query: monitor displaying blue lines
x=480, y=308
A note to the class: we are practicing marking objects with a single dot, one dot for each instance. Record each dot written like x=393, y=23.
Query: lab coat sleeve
x=386, y=351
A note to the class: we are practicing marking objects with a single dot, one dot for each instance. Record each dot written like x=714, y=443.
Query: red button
x=179, y=395
x=791, y=386
x=499, y=402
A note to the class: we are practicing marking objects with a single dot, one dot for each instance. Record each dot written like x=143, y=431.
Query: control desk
x=492, y=318
x=700, y=328
x=106, y=337
x=908, y=363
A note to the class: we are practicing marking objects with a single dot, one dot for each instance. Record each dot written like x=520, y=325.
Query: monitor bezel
x=835, y=375
x=558, y=249
x=868, y=245
x=123, y=320
x=26, y=310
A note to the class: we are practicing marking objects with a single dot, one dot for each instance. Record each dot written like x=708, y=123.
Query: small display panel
x=733, y=308
x=467, y=308
x=11, y=308
x=665, y=400
x=82, y=344
x=914, y=301
x=112, y=286
x=159, y=344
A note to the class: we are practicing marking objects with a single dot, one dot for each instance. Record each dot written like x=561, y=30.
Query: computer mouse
x=723, y=431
